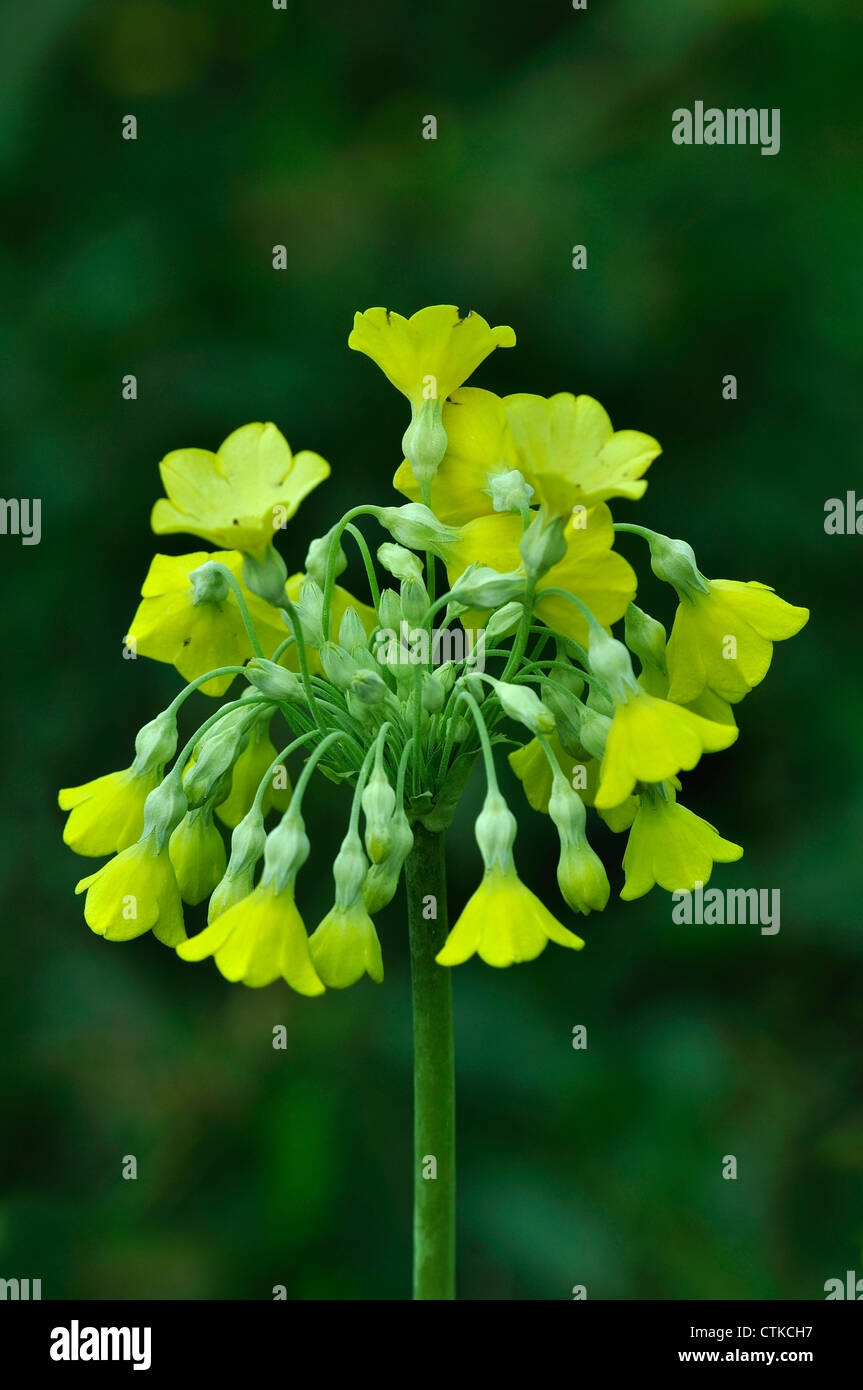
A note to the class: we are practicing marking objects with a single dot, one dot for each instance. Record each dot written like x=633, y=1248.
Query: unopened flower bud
x=594, y=732
x=382, y=879
x=286, y=851
x=210, y=583
x=523, y=704
x=379, y=804
x=339, y=666
x=542, y=545
x=156, y=743
x=416, y=526
x=273, y=680
x=504, y=622
x=349, y=869
x=318, y=554
x=164, y=808
x=645, y=637
x=433, y=693
x=247, y=846
x=266, y=574
x=369, y=688
x=215, y=754
x=351, y=631
x=401, y=563
x=482, y=587
x=610, y=661
x=581, y=874
x=414, y=599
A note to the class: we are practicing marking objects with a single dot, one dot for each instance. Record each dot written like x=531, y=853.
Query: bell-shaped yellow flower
x=238, y=497
x=479, y=445
x=135, y=892
x=252, y=764
x=345, y=946
x=196, y=637
x=429, y=355
x=591, y=569
x=107, y=814
x=197, y=853
x=504, y=923
x=650, y=740
x=722, y=640
x=671, y=846
x=259, y=940
x=572, y=456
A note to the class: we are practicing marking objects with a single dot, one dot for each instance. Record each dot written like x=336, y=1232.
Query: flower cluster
x=509, y=499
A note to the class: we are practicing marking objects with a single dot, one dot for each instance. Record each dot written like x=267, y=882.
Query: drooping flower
x=722, y=640
x=670, y=846
x=107, y=813
x=197, y=633
x=650, y=740
x=571, y=455
x=133, y=893
x=345, y=946
x=429, y=355
x=238, y=497
x=503, y=922
x=262, y=937
x=590, y=568
x=197, y=853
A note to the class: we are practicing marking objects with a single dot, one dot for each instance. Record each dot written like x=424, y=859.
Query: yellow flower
x=504, y=923
x=429, y=355
x=345, y=946
x=238, y=497
x=479, y=445
x=259, y=940
x=107, y=814
x=195, y=637
x=722, y=640
x=135, y=892
x=572, y=456
x=650, y=740
x=197, y=853
x=246, y=774
x=672, y=847
x=590, y=569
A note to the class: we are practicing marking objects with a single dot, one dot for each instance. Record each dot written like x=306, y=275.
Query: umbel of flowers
x=509, y=500
x=488, y=621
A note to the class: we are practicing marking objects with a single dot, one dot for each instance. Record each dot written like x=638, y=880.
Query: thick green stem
x=434, y=1072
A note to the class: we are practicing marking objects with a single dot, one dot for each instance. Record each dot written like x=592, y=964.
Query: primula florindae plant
x=502, y=558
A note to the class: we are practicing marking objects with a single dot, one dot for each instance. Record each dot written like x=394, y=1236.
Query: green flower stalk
x=390, y=699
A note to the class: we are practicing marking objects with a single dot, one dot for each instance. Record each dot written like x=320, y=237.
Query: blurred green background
x=258, y=127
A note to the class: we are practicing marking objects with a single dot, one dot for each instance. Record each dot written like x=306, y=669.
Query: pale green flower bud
x=310, y=610
x=508, y=491
x=266, y=574
x=674, y=562
x=339, y=666
x=351, y=631
x=210, y=583
x=317, y=558
x=286, y=851
x=416, y=526
x=594, y=732
x=482, y=587
x=379, y=804
x=349, y=869
x=433, y=693
x=424, y=441
x=504, y=622
x=495, y=830
x=273, y=680
x=523, y=704
x=156, y=743
x=446, y=676
x=581, y=874
x=390, y=610
x=247, y=846
x=215, y=754
x=400, y=562
x=645, y=637
x=164, y=808
x=567, y=710
x=610, y=661
x=382, y=879
x=369, y=688
x=414, y=600
x=542, y=545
